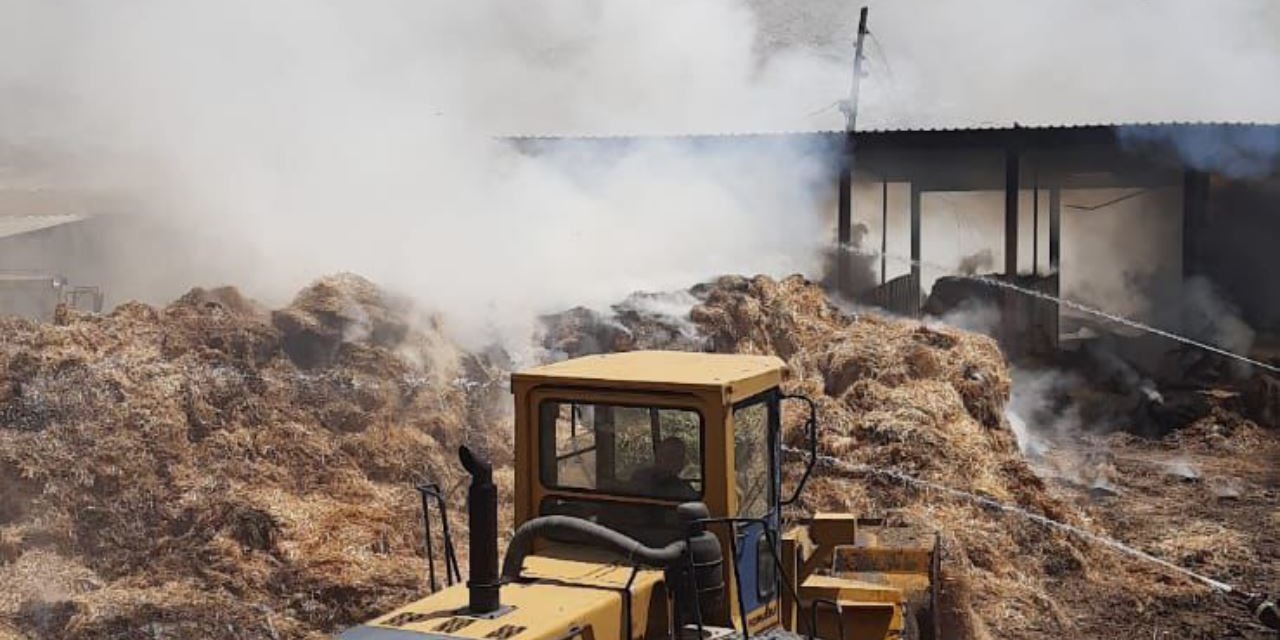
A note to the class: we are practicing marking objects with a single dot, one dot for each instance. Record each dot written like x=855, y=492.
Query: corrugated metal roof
x=18, y=225
x=942, y=128
x=1071, y=125
x=662, y=136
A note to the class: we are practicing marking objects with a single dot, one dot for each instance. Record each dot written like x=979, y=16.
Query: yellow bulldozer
x=649, y=504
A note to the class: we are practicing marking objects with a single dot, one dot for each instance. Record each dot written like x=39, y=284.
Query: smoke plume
x=1237, y=152
x=265, y=143
x=269, y=143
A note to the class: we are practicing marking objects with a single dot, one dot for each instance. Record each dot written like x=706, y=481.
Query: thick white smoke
x=277, y=141
x=274, y=141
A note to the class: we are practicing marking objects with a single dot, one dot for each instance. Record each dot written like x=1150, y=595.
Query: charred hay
x=214, y=469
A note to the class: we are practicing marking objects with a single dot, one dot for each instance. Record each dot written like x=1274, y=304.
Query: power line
x=1128, y=322
x=1077, y=306
x=884, y=57
x=996, y=506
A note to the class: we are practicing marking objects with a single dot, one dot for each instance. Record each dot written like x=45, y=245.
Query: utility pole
x=850, y=109
x=844, y=220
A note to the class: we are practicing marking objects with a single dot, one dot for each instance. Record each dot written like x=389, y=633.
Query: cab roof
x=737, y=377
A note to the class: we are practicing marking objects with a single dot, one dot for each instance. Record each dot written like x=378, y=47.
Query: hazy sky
x=946, y=62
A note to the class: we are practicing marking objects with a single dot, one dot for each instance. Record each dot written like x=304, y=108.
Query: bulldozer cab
x=623, y=439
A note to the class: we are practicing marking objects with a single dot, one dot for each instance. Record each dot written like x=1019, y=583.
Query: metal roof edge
x=993, y=127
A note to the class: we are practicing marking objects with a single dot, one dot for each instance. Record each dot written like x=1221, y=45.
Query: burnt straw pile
x=214, y=469
x=211, y=469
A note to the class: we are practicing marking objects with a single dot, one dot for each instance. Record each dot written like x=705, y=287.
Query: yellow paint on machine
x=734, y=377
x=562, y=594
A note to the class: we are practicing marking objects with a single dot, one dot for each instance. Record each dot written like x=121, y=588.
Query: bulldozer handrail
x=451, y=573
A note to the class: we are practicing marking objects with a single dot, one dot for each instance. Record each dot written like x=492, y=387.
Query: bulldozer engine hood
x=558, y=598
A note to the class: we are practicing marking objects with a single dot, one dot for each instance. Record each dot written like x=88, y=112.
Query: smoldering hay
x=209, y=469
x=215, y=469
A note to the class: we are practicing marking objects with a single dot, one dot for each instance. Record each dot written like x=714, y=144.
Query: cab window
x=751, y=458
x=622, y=450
